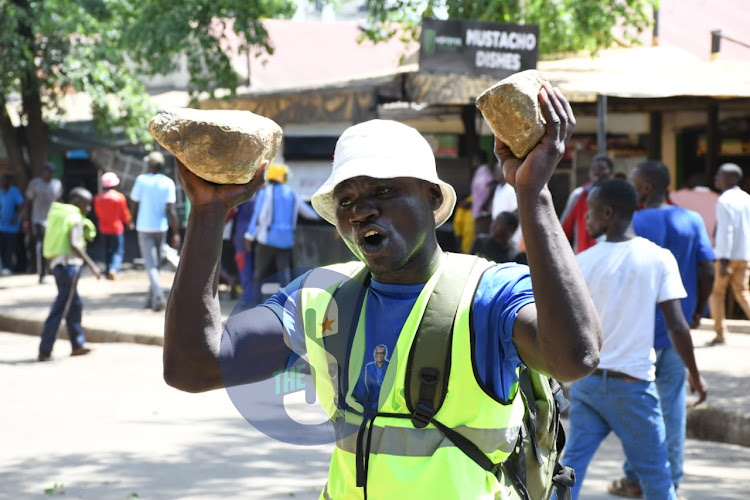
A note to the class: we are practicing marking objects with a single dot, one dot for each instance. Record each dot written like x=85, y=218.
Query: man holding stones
x=386, y=201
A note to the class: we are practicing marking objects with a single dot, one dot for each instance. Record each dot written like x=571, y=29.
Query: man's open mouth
x=372, y=241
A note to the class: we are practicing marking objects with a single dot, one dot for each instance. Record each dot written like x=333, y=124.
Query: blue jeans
x=273, y=265
x=114, y=248
x=150, y=245
x=670, y=384
x=7, y=249
x=246, y=280
x=65, y=279
x=629, y=408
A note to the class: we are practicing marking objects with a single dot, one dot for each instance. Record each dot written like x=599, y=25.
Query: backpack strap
x=348, y=297
x=429, y=363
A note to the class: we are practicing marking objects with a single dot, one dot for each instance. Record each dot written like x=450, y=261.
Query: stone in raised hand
x=221, y=146
x=511, y=109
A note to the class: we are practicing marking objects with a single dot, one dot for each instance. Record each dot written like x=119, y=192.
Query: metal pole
x=248, y=67
x=713, y=141
x=601, y=124
x=715, y=43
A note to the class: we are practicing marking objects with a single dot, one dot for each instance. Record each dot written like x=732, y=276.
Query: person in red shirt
x=573, y=219
x=111, y=208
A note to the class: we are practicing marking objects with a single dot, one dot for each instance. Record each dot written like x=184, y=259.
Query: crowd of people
x=259, y=233
x=619, y=278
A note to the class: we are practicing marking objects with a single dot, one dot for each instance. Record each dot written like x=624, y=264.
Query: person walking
x=698, y=197
x=40, y=193
x=111, y=209
x=573, y=218
x=732, y=247
x=244, y=258
x=464, y=225
x=386, y=200
x=154, y=195
x=270, y=234
x=481, y=191
x=623, y=274
x=683, y=233
x=65, y=247
x=11, y=205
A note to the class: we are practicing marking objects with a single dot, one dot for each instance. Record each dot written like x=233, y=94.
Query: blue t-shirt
x=502, y=292
x=153, y=192
x=682, y=232
x=274, y=225
x=10, y=200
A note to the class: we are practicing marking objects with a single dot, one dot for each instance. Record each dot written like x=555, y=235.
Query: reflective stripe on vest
x=405, y=462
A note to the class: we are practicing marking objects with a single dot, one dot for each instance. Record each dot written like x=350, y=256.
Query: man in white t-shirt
x=504, y=199
x=732, y=247
x=40, y=193
x=154, y=195
x=624, y=274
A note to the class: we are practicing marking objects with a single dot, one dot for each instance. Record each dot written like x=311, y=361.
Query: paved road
x=105, y=426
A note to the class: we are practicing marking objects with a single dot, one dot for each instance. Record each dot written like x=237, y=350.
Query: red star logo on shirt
x=327, y=324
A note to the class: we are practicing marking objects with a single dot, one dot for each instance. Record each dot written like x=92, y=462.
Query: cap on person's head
x=79, y=193
x=382, y=149
x=154, y=159
x=277, y=172
x=734, y=169
x=49, y=166
x=110, y=179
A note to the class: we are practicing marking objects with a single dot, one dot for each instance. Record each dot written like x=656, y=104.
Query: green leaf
x=564, y=25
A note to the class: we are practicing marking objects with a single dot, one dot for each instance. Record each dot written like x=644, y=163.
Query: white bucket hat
x=382, y=149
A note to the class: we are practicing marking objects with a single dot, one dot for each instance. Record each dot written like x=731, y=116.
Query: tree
x=52, y=47
x=564, y=25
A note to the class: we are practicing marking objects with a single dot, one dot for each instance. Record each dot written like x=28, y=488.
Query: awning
x=648, y=73
x=630, y=73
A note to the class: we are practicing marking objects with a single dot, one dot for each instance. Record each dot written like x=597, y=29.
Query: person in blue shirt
x=683, y=233
x=154, y=197
x=386, y=201
x=11, y=202
x=244, y=258
x=270, y=234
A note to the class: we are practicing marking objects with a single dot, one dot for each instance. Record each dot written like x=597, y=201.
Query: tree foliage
x=50, y=48
x=564, y=25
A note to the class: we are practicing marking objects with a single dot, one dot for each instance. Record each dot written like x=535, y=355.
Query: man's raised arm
x=193, y=327
x=560, y=334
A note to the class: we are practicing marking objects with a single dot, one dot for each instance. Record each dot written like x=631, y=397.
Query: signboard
x=477, y=48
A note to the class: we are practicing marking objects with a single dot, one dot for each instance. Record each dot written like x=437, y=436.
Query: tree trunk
x=18, y=167
x=36, y=131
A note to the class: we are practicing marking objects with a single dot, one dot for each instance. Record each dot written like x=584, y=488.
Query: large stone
x=221, y=146
x=511, y=109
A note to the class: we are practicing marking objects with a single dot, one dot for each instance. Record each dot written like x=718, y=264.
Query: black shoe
x=80, y=351
x=44, y=357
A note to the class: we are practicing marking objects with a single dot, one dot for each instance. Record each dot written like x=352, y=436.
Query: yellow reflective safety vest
x=387, y=457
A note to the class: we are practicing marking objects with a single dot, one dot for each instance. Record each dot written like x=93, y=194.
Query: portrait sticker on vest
x=367, y=391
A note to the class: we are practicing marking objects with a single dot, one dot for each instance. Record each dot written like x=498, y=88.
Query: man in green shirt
x=65, y=247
